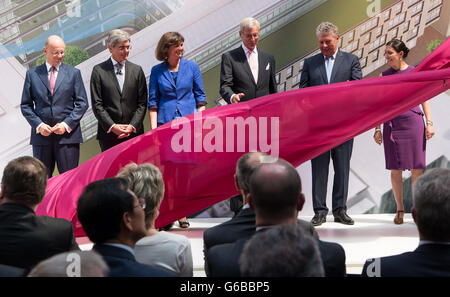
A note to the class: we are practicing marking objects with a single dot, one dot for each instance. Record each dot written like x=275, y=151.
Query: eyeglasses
x=141, y=203
x=58, y=53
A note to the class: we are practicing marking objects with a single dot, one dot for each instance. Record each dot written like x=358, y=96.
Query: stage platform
x=373, y=235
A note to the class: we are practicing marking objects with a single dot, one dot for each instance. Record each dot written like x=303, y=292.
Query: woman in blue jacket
x=176, y=87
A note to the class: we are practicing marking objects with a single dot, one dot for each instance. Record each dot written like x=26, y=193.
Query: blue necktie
x=329, y=68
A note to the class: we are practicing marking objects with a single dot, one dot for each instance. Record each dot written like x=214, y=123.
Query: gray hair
x=117, y=36
x=248, y=23
x=431, y=202
x=326, y=28
x=245, y=167
x=146, y=181
x=281, y=251
x=91, y=265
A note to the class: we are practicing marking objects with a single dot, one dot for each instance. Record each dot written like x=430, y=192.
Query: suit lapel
x=261, y=67
x=112, y=74
x=128, y=70
x=43, y=75
x=245, y=65
x=323, y=71
x=167, y=75
x=336, y=65
x=62, y=74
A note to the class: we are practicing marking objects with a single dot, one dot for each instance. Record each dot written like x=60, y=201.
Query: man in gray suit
x=246, y=72
x=330, y=66
x=118, y=94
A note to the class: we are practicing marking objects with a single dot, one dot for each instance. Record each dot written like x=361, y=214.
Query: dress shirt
x=247, y=55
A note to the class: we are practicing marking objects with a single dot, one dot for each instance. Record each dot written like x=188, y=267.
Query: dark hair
x=167, y=40
x=431, y=201
x=25, y=180
x=281, y=251
x=399, y=46
x=101, y=207
x=275, y=189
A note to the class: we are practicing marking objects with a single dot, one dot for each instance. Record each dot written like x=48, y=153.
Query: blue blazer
x=167, y=96
x=68, y=103
x=122, y=263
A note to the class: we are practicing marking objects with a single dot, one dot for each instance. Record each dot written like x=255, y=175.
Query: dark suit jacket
x=26, y=239
x=346, y=67
x=11, y=271
x=111, y=106
x=122, y=263
x=167, y=96
x=68, y=103
x=236, y=76
x=429, y=260
x=223, y=260
x=241, y=226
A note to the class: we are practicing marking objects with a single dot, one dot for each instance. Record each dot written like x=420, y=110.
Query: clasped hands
x=46, y=130
x=122, y=131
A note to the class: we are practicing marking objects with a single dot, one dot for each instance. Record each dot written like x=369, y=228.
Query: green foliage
x=433, y=45
x=73, y=55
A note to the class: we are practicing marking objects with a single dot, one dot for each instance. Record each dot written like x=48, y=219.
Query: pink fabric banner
x=197, y=154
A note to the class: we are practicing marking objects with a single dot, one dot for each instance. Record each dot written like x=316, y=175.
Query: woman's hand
x=429, y=132
x=378, y=137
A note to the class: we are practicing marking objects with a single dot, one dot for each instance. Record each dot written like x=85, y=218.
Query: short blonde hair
x=326, y=28
x=167, y=40
x=248, y=23
x=146, y=181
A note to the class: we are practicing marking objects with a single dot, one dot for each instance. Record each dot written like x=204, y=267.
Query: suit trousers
x=66, y=156
x=341, y=163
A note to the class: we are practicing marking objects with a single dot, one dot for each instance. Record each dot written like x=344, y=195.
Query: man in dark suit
x=431, y=213
x=118, y=94
x=330, y=66
x=243, y=224
x=27, y=239
x=276, y=198
x=114, y=220
x=53, y=102
x=246, y=72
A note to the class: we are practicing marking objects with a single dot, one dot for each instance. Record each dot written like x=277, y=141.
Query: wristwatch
x=429, y=123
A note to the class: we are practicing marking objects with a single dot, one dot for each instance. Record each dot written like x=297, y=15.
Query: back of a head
x=101, y=207
x=431, y=202
x=24, y=181
x=245, y=166
x=275, y=189
x=281, y=251
x=146, y=181
x=71, y=264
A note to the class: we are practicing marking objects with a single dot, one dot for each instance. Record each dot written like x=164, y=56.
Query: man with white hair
x=118, y=94
x=247, y=72
x=330, y=66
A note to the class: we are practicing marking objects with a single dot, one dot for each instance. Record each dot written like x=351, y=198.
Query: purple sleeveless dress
x=404, y=137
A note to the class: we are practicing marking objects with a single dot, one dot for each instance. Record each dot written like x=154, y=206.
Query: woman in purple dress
x=404, y=136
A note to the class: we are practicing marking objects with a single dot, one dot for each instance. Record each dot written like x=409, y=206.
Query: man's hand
x=59, y=129
x=45, y=130
x=122, y=131
x=237, y=97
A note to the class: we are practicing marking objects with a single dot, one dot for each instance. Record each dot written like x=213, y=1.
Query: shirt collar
x=334, y=56
x=246, y=50
x=423, y=242
x=115, y=62
x=50, y=66
x=121, y=246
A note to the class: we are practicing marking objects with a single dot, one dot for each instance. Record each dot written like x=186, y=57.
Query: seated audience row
x=265, y=239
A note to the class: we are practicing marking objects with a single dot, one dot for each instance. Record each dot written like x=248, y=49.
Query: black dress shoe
x=343, y=218
x=318, y=219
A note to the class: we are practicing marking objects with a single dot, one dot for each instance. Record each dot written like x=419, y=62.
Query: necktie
x=329, y=68
x=253, y=62
x=52, y=78
x=119, y=75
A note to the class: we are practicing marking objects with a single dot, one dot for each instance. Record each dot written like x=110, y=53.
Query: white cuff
x=68, y=129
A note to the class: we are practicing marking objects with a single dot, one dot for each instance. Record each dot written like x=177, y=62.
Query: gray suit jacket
x=111, y=106
x=236, y=76
x=346, y=67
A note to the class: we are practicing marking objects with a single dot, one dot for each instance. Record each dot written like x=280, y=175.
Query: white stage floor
x=373, y=235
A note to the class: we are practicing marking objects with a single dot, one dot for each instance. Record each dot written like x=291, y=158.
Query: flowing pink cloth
x=311, y=121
